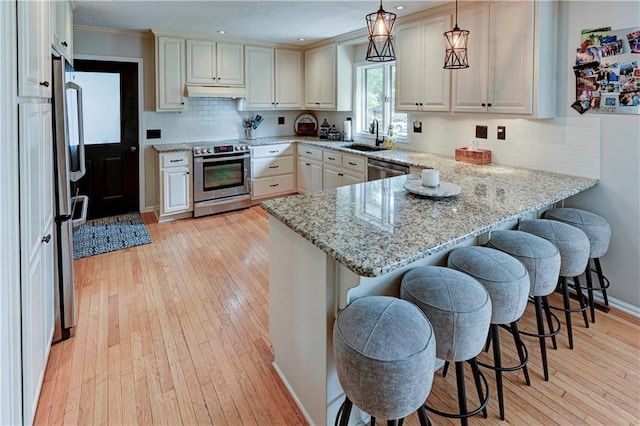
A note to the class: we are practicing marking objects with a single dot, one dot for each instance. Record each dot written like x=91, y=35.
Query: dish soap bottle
x=389, y=141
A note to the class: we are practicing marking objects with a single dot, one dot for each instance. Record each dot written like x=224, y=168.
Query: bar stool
x=542, y=260
x=459, y=310
x=384, y=350
x=573, y=246
x=599, y=234
x=507, y=282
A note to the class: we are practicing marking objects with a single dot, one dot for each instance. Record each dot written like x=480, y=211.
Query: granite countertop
x=178, y=147
x=375, y=227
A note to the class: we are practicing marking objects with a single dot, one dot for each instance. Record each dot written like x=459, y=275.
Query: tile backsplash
x=214, y=119
x=569, y=145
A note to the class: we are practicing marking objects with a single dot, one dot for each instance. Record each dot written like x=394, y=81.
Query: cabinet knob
x=64, y=43
x=421, y=104
x=317, y=103
x=483, y=104
x=307, y=164
x=416, y=104
x=186, y=173
x=340, y=174
x=44, y=83
x=489, y=104
x=46, y=238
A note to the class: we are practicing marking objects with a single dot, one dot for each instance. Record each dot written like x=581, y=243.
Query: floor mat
x=109, y=234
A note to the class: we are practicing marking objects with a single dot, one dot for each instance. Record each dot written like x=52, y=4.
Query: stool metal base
x=479, y=380
x=523, y=354
x=604, y=283
x=566, y=299
x=344, y=412
x=539, y=301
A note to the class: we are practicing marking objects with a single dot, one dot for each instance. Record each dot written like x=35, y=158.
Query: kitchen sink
x=364, y=147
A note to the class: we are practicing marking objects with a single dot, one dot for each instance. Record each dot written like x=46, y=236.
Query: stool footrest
x=515, y=368
x=555, y=332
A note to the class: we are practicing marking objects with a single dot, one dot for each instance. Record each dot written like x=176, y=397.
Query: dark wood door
x=112, y=178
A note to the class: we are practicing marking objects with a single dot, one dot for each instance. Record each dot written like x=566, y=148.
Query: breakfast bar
x=330, y=247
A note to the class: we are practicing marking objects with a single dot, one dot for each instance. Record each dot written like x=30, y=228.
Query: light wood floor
x=176, y=332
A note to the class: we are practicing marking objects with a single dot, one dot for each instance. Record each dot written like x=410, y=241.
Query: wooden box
x=481, y=156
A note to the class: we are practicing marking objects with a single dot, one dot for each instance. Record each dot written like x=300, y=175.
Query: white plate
x=446, y=189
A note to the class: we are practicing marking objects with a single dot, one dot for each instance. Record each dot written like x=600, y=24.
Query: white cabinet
x=62, y=15
x=328, y=78
x=36, y=229
x=211, y=63
x=341, y=169
x=274, y=78
x=175, y=186
x=508, y=74
x=170, y=73
x=272, y=171
x=421, y=82
x=34, y=51
x=309, y=172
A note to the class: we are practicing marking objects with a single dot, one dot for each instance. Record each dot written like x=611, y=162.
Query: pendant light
x=455, y=55
x=380, y=25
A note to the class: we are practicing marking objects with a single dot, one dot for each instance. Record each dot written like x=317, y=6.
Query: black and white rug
x=109, y=234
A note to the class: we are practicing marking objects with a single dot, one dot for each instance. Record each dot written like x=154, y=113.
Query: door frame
x=141, y=124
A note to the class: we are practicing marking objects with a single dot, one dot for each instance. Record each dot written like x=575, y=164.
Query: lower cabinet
x=341, y=169
x=309, y=176
x=175, y=186
x=272, y=171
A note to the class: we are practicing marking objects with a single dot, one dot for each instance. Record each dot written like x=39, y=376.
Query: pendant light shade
x=380, y=25
x=455, y=56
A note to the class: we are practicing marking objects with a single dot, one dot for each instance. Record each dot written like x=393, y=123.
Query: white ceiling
x=277, y=22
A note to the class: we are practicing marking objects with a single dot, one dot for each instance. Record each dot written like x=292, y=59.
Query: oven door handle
x=220, y=159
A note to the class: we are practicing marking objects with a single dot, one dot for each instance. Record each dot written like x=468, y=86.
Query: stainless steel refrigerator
x=69, y=167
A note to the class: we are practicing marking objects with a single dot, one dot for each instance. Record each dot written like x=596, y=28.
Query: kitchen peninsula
x=327, y=248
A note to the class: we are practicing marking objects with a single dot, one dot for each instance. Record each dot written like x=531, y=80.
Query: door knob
x=46, y=238
x=133, y=149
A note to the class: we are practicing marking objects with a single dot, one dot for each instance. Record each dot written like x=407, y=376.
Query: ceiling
x=272, y=22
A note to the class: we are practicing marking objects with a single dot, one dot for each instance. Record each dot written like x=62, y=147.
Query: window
x=375, y=100
x=101, y=106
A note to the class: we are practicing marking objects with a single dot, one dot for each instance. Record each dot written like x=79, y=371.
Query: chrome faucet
x=378, y=142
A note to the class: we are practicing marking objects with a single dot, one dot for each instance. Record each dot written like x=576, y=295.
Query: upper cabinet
x=34, y=51
x=274, y=78
x=506, y=40
x=170, y=73
x=211, y=63
x=421, y=82
x=328, y=78
x=63, y=28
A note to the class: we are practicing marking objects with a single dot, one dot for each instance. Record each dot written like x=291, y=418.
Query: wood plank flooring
x=176, y=332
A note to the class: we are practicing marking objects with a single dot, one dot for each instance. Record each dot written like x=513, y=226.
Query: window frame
x=360, y=129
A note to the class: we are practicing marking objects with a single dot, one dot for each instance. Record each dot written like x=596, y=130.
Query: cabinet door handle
x=351, y=164
x=44, y=83
x=46, y=238
x=340, y=174
x=308, y=152
x=331, y=158
x=273, y=152
x=317, y=103
x=307, y=164
x=273, y=185
x=274, y=167
x=64, y=43
x=173, y=161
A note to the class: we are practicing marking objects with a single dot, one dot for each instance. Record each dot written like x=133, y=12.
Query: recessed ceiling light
x=301, y=39
x=399, y=7
x=222, y=32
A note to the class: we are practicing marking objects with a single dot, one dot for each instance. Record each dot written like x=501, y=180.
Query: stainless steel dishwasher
x=377, y=169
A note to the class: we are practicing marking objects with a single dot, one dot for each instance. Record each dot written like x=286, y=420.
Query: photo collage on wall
x=607, y=72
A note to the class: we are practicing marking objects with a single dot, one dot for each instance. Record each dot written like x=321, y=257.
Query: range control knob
x=196, y=151
x=209, y=151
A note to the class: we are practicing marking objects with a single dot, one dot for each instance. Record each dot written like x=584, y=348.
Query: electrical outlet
x=502, y=132
x=153, y=134
x=481, y=132
x=280, y=120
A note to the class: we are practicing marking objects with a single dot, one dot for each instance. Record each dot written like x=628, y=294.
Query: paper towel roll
x=347, y=130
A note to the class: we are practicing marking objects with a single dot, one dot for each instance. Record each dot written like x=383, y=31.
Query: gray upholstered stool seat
x=459, y=310
x=574, y=249
x=507, y=281
x=542, y=260
x=384, y=350
x=598, y=232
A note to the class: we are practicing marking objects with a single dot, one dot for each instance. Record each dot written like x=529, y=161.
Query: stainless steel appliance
x=221, y=178
x=69, y=166
x=377, y=169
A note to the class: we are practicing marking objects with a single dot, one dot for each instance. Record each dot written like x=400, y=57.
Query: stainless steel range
x=221, y=178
